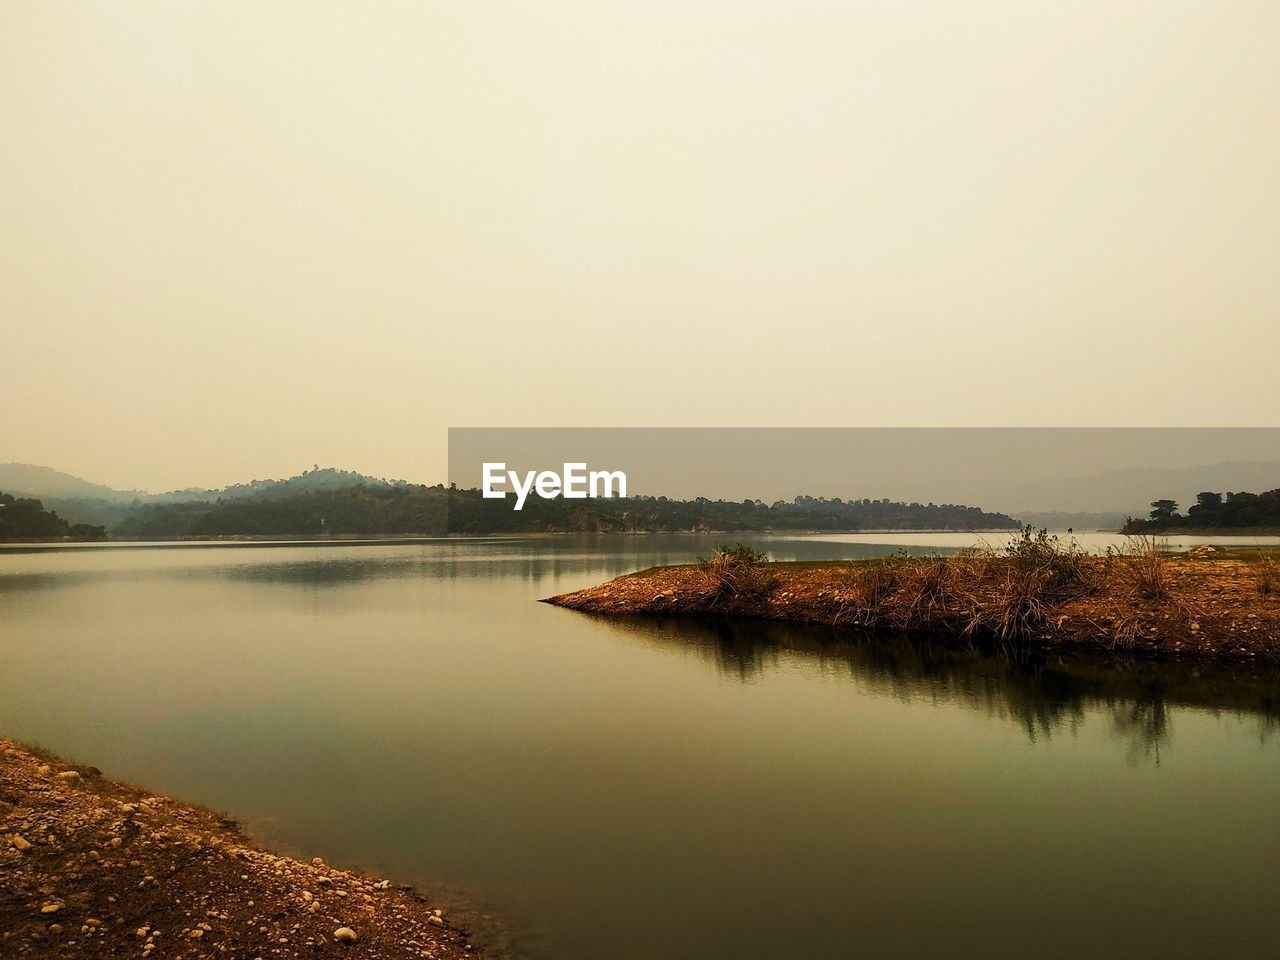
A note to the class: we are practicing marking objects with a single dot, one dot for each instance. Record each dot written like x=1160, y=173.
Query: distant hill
x=333, y=502
x=1131, y=491
x=318, y=478
x=83, y=502
x=404, y=509
x=30, y=480
x=27, y=479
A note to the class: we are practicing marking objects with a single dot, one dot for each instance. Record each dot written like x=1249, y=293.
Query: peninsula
x=1036, y=593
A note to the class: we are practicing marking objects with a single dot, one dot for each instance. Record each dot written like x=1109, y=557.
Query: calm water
x=582, y=788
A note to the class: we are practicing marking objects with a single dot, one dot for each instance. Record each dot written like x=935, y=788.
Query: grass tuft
x=735, y=573
x=1141, y=566
x=1007, y=592
x=1268, y=576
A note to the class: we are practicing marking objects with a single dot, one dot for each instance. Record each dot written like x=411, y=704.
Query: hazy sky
x=237, y=239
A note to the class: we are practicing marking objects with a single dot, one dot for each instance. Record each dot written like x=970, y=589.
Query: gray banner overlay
x=1013, y=470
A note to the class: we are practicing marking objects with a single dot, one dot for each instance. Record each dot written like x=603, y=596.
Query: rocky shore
x=1204, y=605
x=94, y=868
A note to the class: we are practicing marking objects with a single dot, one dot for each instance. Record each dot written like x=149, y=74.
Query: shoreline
x=94, y=867
x=393, y=538
x=1201, y=606
x=371, y=538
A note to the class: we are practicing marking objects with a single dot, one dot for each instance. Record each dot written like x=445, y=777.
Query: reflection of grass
x=1041, y=695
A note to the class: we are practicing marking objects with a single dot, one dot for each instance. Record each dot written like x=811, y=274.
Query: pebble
x=345, y=935
x=21, y=843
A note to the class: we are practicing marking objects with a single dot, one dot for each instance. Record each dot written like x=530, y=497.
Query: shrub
x=1056, y=565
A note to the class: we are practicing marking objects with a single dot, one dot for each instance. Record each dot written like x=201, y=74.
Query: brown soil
x=94, y=868
x=1210, y=607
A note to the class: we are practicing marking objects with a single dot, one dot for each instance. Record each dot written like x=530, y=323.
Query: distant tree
x=411, y=509
x=1213, y=511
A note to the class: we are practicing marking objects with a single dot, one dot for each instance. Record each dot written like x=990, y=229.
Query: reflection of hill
x=1043, y=697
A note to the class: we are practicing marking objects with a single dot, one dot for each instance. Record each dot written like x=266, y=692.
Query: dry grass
x=1016, y=592
x=1142, y=568
x=1268, y=576
x=1126, y=630
x=1007, y=592
x=735, y=572
x=1036, y=590
x=1021, y=603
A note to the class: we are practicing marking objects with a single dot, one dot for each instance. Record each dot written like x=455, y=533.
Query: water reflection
x=1045, y=696
x=631, y=789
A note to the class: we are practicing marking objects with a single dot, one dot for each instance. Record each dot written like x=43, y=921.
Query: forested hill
x=22, y=518
x=49, y=485
x=360, y=510
x=80, y=501
x=408, y=509
x=326, y=501
x=45, y=483
x=317, y=478
x=1213, y=511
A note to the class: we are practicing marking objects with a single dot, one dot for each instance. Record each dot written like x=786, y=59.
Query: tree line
x=412, y=509
x=1212, y=511
x=23, y=518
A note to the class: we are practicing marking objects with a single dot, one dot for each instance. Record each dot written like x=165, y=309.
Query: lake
x=574, y=787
